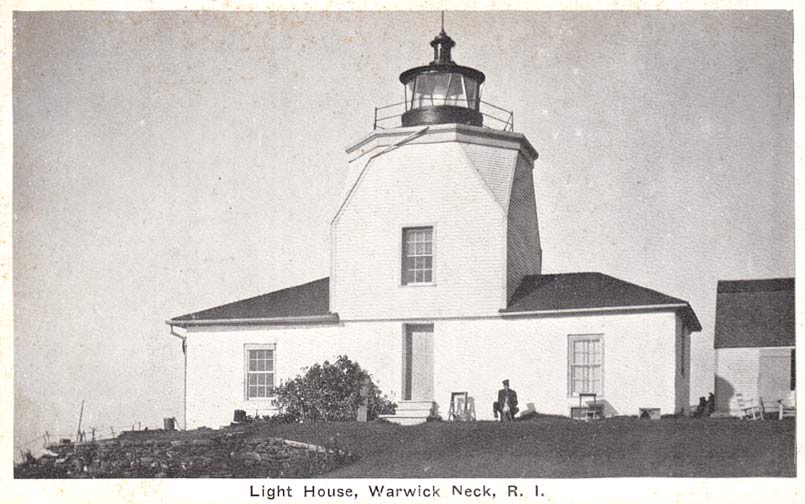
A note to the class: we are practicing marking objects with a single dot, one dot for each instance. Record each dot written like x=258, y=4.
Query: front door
x=418, y=362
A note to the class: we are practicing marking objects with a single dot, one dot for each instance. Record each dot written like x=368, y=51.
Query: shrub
x=331, y=392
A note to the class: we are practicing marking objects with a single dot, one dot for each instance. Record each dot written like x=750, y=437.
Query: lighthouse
x=436, y=285
x=440, y=215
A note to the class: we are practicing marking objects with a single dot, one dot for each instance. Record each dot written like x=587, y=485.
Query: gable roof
x=571, y=292
x=755, y=313
x=590, y=291
x=308, y=302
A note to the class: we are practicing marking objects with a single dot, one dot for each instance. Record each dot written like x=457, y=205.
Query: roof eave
x=438, y=133
x=690, y=317
x=330, y=318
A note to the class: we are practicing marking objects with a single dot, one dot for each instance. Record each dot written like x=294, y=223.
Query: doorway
x=418, y=362
x=774, y=377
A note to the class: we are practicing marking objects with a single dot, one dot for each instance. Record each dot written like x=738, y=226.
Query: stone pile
x=213, y=455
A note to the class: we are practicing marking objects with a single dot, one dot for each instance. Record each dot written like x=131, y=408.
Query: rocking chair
x=748, y=410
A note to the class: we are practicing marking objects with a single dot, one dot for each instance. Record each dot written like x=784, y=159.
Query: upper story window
x=417, y=255
x=585, y=364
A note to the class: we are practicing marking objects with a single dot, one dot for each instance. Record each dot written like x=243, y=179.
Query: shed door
x=774, y=380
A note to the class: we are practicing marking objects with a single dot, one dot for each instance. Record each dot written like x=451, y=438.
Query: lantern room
x=442, y=91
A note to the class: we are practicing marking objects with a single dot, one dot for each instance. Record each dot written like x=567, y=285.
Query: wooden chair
x=763, y=411
x=787, y=409
x=748, y=409
x=585, y=411
x=459, y=407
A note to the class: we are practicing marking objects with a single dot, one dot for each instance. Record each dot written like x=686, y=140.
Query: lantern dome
x=442, y=91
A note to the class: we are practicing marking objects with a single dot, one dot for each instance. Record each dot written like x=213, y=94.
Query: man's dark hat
x=506, y=381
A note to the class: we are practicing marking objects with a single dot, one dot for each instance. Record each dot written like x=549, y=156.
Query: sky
x=167, y=162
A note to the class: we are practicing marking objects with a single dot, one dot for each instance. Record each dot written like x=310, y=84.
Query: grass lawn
x=550, y=447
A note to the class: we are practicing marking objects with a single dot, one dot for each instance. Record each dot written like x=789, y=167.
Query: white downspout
x=184, y=392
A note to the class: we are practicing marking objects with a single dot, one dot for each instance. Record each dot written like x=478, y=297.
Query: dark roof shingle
x=307, y=300
x=755, y=313
x=564, y=291
x=579, y=291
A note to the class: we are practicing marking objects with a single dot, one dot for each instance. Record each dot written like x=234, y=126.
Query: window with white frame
x=259, y=371
x=585, y=364
x=417, y=255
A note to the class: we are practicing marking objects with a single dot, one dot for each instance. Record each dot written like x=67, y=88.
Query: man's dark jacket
x=512, y=400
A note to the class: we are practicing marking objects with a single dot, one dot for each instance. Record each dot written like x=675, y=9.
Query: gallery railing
x=388, y=116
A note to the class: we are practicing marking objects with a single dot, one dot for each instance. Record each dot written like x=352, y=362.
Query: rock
x=237, y=453
x=251, y=456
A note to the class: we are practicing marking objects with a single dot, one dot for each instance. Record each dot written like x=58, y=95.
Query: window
x=259, y=371
x=417, y=255
x=793, y=368
x=585, y=364
x=682, y=358
x=441, y=88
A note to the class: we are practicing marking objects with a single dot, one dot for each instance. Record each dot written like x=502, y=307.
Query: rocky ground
x=229, y=453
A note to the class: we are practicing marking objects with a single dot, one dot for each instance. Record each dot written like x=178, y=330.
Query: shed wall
x=738, y=370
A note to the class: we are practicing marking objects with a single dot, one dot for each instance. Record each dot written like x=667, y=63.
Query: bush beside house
x=332, y=392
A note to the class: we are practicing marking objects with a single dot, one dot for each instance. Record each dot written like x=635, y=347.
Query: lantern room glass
x=441, y=88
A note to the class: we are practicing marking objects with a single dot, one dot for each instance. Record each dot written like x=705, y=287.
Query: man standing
x=507, y=403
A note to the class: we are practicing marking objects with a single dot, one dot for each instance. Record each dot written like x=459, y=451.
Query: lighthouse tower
x=439, y=217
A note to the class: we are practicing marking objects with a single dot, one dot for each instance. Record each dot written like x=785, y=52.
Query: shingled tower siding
x=524, y=252
x=472, y=186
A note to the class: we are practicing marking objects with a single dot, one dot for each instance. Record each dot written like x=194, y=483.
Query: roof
x=591, y=291
x=310, y=302
x=307, y=302
x=755, y=313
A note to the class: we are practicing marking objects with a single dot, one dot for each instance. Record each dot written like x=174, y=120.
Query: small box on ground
x=649, y=413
